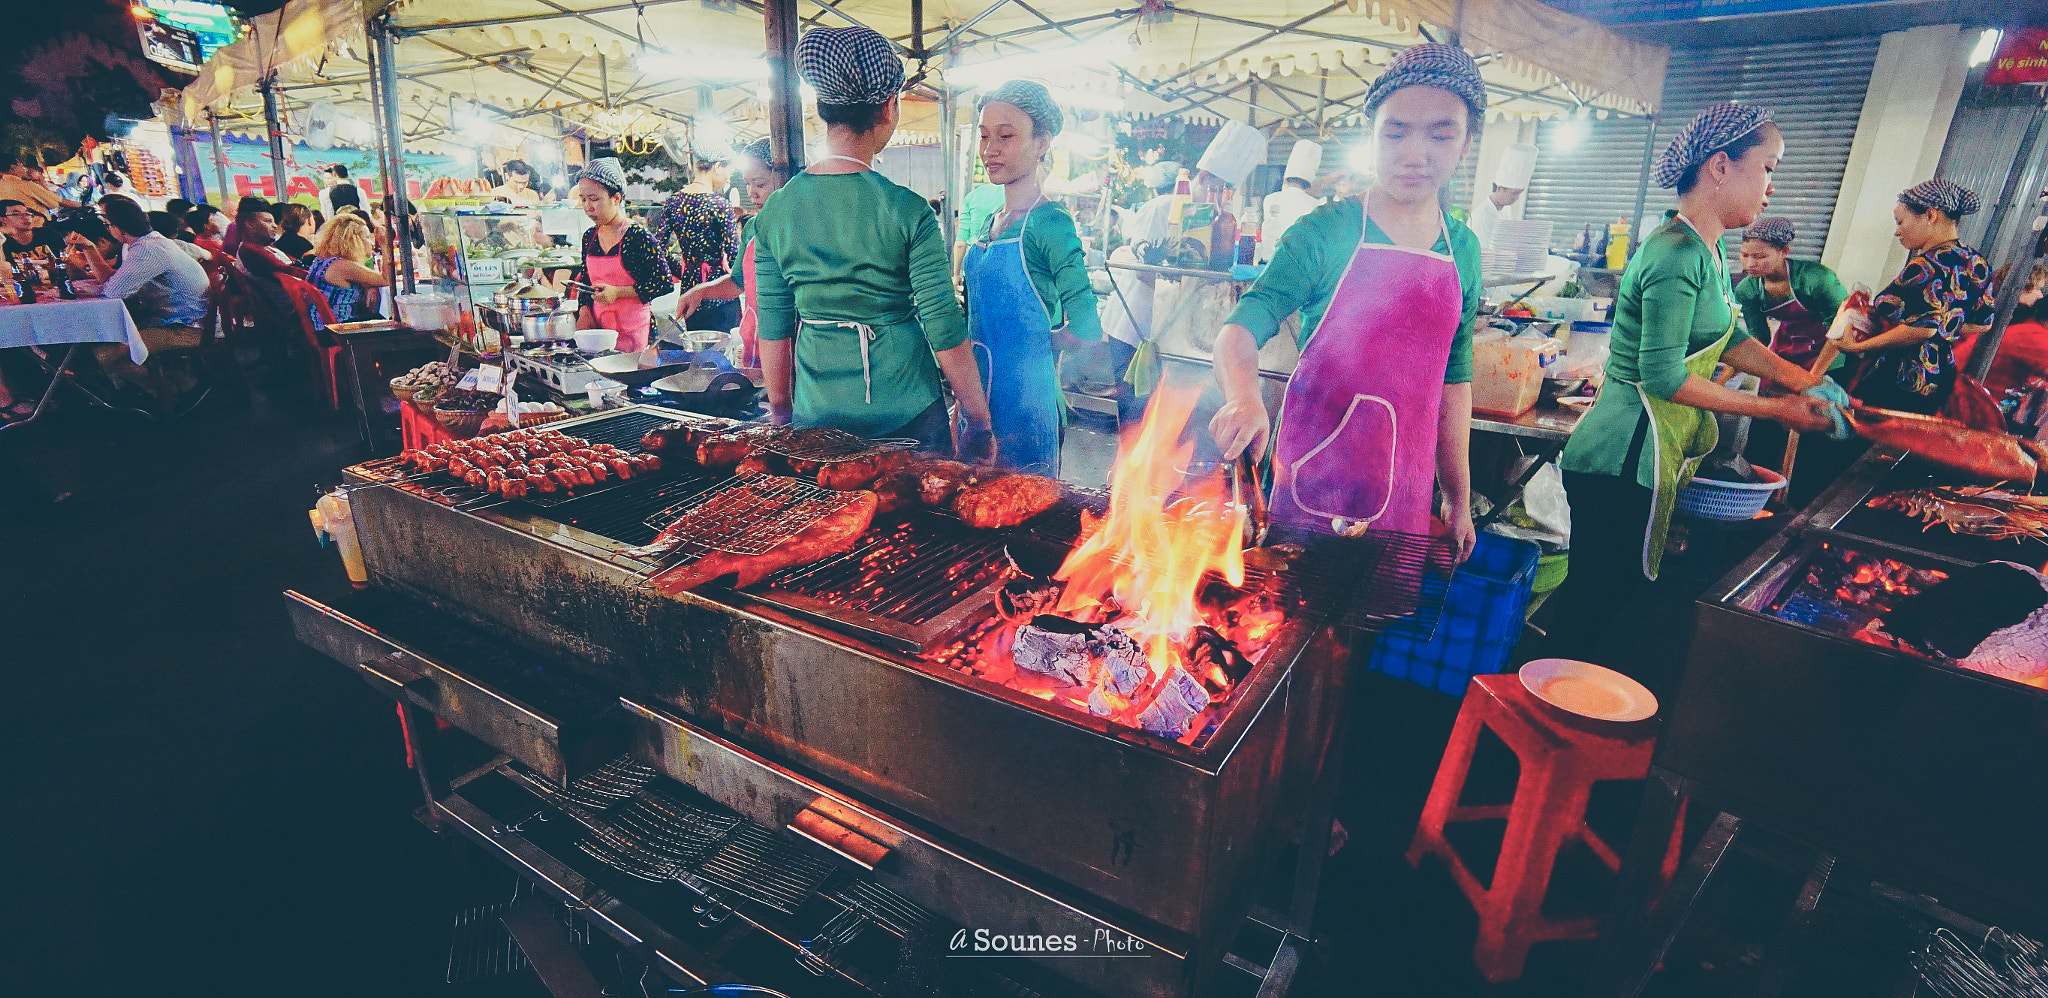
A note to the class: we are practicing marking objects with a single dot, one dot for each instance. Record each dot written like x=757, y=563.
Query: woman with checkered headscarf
x=1655, y=419
x=1028, y=295
x=858, y=321
x=1378, y=411
x=1941, y=297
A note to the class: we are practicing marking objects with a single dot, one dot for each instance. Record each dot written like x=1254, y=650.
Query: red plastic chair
x=323, y=344
x=1561, y=758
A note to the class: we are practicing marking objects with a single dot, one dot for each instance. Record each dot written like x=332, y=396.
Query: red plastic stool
x=1561, y=759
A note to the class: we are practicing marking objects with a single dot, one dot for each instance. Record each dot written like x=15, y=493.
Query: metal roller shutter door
x=1814, y=89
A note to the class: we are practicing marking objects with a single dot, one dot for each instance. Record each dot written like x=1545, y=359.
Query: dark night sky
x=33, y=23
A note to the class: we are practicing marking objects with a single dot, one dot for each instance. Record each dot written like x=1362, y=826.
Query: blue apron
x=1012, y=333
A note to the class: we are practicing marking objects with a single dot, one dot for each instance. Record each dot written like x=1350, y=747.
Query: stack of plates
x=1521, y=245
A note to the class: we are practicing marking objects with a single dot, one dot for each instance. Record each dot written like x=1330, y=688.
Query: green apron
x=1682, y=436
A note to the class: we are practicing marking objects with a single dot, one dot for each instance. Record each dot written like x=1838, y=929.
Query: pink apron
x=629, y=316
x=1800, y=334
x=1358, y=429
x=750, y=354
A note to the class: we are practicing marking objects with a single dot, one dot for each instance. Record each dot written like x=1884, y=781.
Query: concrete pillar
x=1914, y=87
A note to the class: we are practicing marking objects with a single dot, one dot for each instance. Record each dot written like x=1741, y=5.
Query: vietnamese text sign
x=2022, y=57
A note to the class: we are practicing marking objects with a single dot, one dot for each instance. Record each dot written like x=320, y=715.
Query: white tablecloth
x=87, y=320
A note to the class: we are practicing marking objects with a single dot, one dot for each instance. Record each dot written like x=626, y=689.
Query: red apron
x=629, y=316
x=1799, y=335
x=1358, y=428
x=750, y=352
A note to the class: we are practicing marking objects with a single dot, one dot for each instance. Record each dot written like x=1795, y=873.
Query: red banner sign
x=2022, y=58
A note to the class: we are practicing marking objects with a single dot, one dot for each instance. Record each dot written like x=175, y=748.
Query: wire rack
x=909, y=573
x=749, y=515
x=825, y=445
x=769, y=868
x=655, y=837
x=480, y=947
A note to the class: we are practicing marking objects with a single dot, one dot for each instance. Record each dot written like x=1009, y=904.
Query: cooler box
x=1482, y=619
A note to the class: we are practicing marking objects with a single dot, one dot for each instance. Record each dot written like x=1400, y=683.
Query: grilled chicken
x=862, y=472
x=723, y=452
x=898, y=489
x=683, y=437
x=830, y=535
x=940, y=481
x=1007, y=501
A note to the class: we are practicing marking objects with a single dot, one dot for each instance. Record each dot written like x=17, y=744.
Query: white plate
x=1588, y=690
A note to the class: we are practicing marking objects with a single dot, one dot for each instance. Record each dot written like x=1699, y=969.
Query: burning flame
x=1149, y=552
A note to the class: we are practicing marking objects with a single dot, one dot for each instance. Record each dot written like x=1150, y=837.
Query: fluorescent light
x=703, y=67
x=1566, y=134
x=1987, y=46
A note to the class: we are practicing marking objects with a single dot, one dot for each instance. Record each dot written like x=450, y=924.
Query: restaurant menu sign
x=2022, y=57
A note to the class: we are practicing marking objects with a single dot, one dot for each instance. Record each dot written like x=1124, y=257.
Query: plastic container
x=1561, y=309
x=1711, y=500
x=1508, y=373
x=427, y=310
x=1482, y=619
x=331, y=515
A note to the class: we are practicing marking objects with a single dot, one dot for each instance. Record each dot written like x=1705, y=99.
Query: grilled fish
x=1006, y=501
x=832, y=534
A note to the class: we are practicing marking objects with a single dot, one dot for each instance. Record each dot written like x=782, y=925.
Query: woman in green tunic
x=1788, y=304
x=858, y=317
x=1654, y=420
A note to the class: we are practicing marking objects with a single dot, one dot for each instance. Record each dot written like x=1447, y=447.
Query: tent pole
x=785, y=101
x=949, y=151
x=220, y=157
x=1643, y=181
x=2020, y=257
x=398, y=214
x=274, y=124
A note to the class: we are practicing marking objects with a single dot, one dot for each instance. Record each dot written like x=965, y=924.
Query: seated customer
x=165, y=291
x=341, y=269
x=170, y=226
x=295, y=232
x=209, y=226
x=86, y=237
x=261, y=259
x=19, y=240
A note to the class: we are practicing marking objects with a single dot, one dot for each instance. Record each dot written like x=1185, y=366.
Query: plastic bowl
x=461, y=423
x=596, y=341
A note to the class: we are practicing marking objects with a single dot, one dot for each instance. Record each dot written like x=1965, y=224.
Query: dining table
x=69, y=325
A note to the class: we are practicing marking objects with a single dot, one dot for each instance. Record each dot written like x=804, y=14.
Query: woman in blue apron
x=1379, y=410
x=1028, y=296
x=1653, y=424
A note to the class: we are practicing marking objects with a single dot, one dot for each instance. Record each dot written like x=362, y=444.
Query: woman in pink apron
x=1379, y=409
x=621, y=265
x=757, y=168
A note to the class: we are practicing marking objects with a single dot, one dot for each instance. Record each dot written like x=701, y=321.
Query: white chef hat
x=1306, y=161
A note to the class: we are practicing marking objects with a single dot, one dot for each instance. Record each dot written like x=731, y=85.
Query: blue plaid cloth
x=1706, y=134
x=1032, y=99
x=849, y=65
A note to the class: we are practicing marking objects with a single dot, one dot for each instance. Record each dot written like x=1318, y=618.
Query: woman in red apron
x=1786, y=303
x=757, y=168
x=1379, y=410
x=620, y=262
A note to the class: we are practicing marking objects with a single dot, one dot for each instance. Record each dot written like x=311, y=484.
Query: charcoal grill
x=1926, y=774
x=809, y=703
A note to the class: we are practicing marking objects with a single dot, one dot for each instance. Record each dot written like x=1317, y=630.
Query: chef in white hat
x=1517, y=165
x=1292, y=200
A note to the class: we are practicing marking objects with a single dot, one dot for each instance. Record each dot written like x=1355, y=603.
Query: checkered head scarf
x=1776, y=229
x=1711, y=131
x=1953, y=199
x=607, y=173
x=1431, y=65
x=849, y=65
x=1032, y=99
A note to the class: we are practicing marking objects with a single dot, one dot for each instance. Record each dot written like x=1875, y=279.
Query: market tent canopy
x=615, y=67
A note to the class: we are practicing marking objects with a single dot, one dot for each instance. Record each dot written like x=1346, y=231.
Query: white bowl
x=595, y=341
x=1588, y=690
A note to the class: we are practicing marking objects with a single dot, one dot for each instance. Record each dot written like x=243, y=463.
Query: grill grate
x=907, y=573
x=655, y=837
x=1363, y=582
x=829, y=446
x=749, y=515
x=615, y=781
x=621, y=513
x=481, y=947
x=765, y=867
x=881, y=906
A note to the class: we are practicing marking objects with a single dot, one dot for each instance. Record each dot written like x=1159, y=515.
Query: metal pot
x=535, y=327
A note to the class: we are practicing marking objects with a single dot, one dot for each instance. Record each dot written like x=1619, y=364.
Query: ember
x=1843, y=590
x=1146, y=623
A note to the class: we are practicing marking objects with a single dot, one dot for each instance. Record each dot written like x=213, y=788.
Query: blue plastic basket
x=1482, y=619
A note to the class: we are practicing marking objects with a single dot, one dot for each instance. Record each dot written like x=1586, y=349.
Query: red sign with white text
x=2022, y=58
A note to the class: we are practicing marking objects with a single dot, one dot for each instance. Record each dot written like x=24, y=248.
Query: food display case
x=472, y=254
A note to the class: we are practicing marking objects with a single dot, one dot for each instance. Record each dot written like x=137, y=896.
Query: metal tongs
x=1245, y=492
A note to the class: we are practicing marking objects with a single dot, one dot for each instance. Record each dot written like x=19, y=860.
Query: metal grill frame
x=801, y=504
